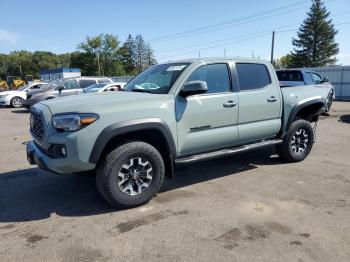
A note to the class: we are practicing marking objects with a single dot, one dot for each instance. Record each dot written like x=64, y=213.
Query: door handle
x=272, y=99
x=230, y=104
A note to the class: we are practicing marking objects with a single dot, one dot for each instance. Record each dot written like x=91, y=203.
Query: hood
x=106, y=102
x=11, y=92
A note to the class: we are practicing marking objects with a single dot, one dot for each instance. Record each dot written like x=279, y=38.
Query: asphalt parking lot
x=250, y=207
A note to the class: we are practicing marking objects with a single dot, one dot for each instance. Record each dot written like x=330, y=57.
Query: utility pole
x=199, y=53
x=225, y=52
x=272, y=45
x=20, y=70
x=98, y=64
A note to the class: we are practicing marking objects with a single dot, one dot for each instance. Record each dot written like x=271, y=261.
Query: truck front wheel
x=297, y=143
x=131, y=174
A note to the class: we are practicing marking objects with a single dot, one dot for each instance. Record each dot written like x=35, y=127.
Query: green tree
x=144, y=56
x=104, y=49
x=84, y=61
x=109, y=55
x=150, y=58
x=284, y=62
x=315, y=44
x=127, y=55
x=140, y=56
x=93, y=46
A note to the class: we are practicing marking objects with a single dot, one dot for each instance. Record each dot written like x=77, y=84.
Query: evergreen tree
x=140, y=53
x=127, y=55
x=150, y=58
x=315, y=44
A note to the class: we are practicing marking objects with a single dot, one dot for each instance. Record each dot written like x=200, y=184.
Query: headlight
x=73, y=122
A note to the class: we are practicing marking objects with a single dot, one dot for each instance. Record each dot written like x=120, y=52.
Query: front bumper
x=4, y=101
x=69, y=165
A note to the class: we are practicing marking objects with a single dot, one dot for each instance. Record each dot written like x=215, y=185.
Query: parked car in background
x=122, y=79
x=103, y=87
x=15, y=98
x=173, y=114
x=62, y=87
x=298, y=77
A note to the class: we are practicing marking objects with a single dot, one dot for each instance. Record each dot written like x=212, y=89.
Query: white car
x=15, y=98
x=102, y=87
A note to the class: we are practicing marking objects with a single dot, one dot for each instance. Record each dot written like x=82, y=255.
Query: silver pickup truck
x=300, y=77
x=172, y=114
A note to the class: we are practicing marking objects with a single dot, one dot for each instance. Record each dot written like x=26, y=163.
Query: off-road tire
x=286, y=151
x=16, y=102
x=111, y=164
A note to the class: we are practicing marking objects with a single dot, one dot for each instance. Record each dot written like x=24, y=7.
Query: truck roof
x=208, y=59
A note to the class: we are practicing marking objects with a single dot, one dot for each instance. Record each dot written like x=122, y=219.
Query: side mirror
x=325, y=80
x=194, y=88
x=60, y=88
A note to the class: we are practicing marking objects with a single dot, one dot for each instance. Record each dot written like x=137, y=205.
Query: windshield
x=95, y=88
x=52, y=84
x=23, y=88
x=157, y=79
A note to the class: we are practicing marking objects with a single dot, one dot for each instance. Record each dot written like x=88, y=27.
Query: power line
x=215, y=46
x=248, y=35
x=229, y=39
x=256, y=17
x=226, y=22
x=237, y=41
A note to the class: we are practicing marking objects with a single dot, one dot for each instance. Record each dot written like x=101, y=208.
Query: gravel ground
x=250, y=207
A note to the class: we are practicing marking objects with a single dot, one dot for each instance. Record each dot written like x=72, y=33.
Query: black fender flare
x=125, y=127
x=299, y=106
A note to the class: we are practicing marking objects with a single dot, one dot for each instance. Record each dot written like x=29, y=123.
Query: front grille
x=36, y=125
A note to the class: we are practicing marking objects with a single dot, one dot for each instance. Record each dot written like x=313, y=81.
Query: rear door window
x=252, y=76
x=290, y=75
x=86, y=82
x=71, y=84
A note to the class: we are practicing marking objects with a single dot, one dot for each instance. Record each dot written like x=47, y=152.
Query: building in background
x=51, y=74
x=339, y=77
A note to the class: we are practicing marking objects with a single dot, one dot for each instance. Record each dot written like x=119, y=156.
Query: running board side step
x=226, y=152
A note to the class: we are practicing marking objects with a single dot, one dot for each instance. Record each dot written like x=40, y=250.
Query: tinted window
x=316, y=78
x=252, y=76
x=216, y=76
x=86, y=82
x=71, y=84
x=290, y=75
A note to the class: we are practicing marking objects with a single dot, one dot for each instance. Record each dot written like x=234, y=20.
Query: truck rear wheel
x=131, y=174
x=297, y=143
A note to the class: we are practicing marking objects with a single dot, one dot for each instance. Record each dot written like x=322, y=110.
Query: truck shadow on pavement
x=33, y=194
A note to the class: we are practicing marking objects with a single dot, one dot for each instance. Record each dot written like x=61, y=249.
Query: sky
x=175, y=29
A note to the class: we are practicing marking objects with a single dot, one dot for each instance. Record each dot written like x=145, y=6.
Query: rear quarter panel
x=297, y=95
